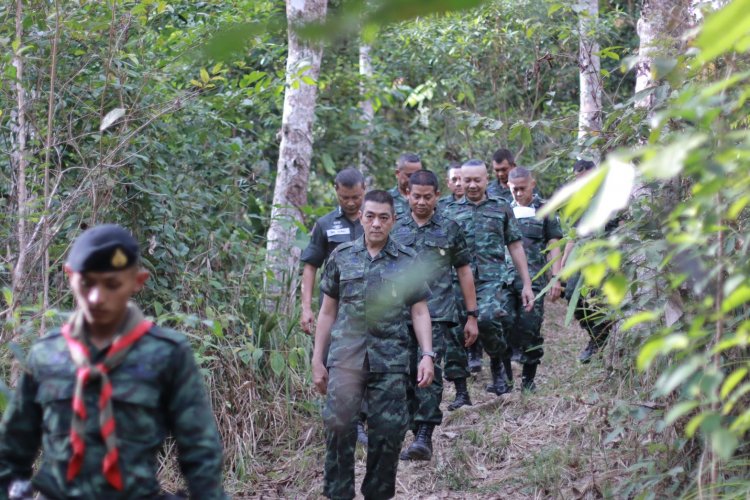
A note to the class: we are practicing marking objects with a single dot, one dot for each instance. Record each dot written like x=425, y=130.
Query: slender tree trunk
x=368, y=111
x=590, y=112
x=295, y=153
x=20, y=161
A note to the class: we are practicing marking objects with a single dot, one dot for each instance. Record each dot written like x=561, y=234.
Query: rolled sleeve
x=329, y=282
x=315, y=252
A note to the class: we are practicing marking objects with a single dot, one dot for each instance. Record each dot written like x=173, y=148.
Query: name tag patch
x=337, y=231
x=524, y=212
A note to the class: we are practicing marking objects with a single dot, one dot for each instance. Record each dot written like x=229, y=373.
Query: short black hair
x=349, y=177
x=474, y=163
x=503, y=154
x=424, y=178
x=452, y=165
x=520, y=173
x=379, y=196
x=407, y=158
x=581, y=165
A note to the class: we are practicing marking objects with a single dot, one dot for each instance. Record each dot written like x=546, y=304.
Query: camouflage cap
x=108, y=247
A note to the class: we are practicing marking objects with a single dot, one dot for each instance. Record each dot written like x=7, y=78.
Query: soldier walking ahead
x=489, y=226
x=363, y=317
x=441, y=245
x=101, y=394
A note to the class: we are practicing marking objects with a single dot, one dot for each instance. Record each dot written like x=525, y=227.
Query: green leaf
x=724, y=443
x=277, y=363
x=669, y=381
x=731, y=381
x=723, y=30
x=738, y=297
x=637, y=319
x=204, y=76
x=679, y=410
x=594, y=273
x=615, y=289
x=660, y=346
x=110, y=118
x=669, y=160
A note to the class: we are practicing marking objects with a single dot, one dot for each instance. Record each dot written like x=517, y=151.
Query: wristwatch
x=429, y=353
x=473, y=312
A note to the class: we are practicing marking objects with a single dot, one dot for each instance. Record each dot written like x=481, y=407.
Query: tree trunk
x=590, y=113
x=20, y=162
x=368, y=112
x=295, y=153
x=660, y=27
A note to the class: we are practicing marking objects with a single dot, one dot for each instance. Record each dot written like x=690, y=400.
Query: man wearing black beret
x=101, y=394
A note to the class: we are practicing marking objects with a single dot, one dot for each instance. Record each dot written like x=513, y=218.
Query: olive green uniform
x=368, y=360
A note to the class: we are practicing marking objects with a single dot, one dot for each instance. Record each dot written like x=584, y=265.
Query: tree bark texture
x=20, y=164
x=660, y=28
x=368, y=111
x=590, y=112
x=295, y=153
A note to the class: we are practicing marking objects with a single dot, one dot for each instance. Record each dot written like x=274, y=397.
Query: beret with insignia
x=104, y=248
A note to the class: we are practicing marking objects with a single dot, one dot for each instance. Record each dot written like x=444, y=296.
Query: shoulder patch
x=168, y=334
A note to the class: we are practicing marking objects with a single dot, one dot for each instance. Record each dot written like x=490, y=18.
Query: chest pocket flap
x=532, y=228
x=352, y=283
x=54, y=390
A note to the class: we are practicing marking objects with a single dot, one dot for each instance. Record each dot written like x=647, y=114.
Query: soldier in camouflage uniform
x=101, y=395
x=489, y=226
x=441, y=245
x=407, y=164
x=363, y=318
x=502, y=164
x=588, y=311
x=453, y=181
x=538, y=236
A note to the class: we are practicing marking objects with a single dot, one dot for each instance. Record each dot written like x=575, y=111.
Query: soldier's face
x=103, y=296
x=377, y=221
x=501, y=171
x=522, y=190
x=422, y=200
x=403, y=174
x=454, y=182
x=474, y=180
x=350, y=199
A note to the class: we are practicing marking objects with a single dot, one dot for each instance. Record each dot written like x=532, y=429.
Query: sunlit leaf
x=723, y=29
x=110, y=118
x=679, y=410
x=615, y=288
x=738, y=297
x=669, y=381
x=731, y=382
x=637, y=319
x=577, y=195
x=660, y=346
x=594, y=273
x=612, y=197
x=669, y=160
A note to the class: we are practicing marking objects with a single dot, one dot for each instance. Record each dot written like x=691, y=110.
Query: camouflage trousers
x=424, y=403
x=589, y=313
x=495, y=302
x=525, y=328
x=456, y=363
x=387, y=415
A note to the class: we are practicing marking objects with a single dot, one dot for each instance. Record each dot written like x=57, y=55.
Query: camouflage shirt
x=441, y=246
x=488, y=226
x=374, y=295
x=157, y=390
x=445, y=201
x=400, y=203
x=494, y=189
x=537, y=234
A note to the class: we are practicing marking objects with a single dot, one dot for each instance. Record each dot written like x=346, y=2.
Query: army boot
x=527, y=377
x=475, y=357
x=499, y=383
x=421, y=448
x=588, y=353
x=462, y=395
x=361, y=433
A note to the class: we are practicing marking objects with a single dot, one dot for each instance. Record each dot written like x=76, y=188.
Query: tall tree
x=590, y=111
x=368, y=111
x=295, y=153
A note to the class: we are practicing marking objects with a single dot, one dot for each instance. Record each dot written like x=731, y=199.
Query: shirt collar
x=390, y=246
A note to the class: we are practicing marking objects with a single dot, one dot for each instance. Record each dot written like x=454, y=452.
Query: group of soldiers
x=412, y=283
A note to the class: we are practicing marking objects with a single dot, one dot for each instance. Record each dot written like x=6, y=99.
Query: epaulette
x=407, y=250
x=341, y=247
x=168, y=334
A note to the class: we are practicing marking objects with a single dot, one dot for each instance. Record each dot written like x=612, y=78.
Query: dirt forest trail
x=550, y=444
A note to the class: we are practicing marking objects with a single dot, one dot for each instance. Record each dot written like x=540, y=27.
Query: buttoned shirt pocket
x=386, y=311
x=494, y=221
x=137, y=413
x=351, y=284
x=532, y=229
x=56, y=399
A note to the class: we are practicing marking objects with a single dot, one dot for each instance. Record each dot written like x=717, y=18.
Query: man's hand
x=555, y=291
x=425, y=372
x=307, y=321
x=471, y=331
x=527, y=298
x=320, y=377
